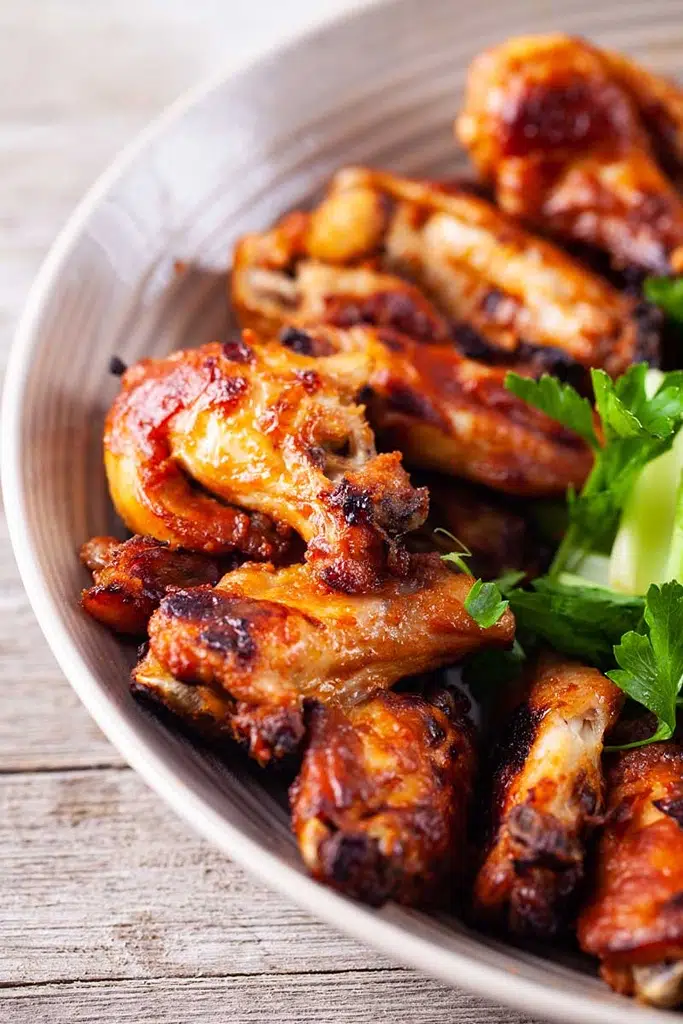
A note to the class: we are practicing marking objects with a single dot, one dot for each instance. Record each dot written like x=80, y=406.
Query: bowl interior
x=141, y=271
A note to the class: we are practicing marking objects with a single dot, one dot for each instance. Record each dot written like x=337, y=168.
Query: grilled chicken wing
x=548, y=795
x=555, y=125
x=266, y=639
x=488, y=286
x=455, y=416
x=660, y=105
x=131, y=577
x=381, y=803
x=634, y=919
x=269, y=430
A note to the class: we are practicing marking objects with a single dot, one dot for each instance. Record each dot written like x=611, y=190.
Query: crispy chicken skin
x=547, y=797
x=268, y=430
x=485, y=283
x=455, y=416
x=559, y=129
x=131, y=577
x=633, y=920
x=268, y=638
x=381, y=803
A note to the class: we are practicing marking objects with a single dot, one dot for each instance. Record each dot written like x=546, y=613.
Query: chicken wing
x=548, y=795
x=633, y=921
x=380, y=806
x=455, y=416
x=131, y=577
x=485, y=283
x=268, y=430
x=660, y=106
x=266, y=639
x=559, y=134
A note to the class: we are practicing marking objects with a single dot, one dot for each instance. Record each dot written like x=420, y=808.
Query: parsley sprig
x=635, y=427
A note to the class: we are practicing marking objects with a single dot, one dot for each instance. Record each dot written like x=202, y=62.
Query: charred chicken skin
x=265, y=429
x=559, y=129
x=548, y=796
x=265, y=639
x=455, y=416
x=380, y=805
x=633, y=921
x=443, y=266
x=131, y=577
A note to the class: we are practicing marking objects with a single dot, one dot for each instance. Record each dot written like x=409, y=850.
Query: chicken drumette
x=561, y=130
x=381, y=803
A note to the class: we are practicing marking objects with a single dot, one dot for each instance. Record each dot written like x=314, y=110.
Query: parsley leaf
x=485, y=604
x=580, y=621
x=666, y=292
x=637, y=426
x=559, y=401
x=651, y=664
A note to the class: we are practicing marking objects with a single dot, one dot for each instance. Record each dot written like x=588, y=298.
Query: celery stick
x=674, y=566
x=641, y=551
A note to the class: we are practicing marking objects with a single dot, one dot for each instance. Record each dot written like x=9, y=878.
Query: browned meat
x=488, y=286
x=131, y=577
x=454, y=415
x=266, y=639
x=265, y=429
x=633, y=921
x=561, y=131
x=548, y=796
x=381, y=803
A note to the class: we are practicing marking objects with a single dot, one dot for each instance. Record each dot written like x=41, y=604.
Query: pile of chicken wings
x=283, y=570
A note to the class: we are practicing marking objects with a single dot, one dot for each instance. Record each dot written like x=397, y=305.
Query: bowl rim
x=352, y=918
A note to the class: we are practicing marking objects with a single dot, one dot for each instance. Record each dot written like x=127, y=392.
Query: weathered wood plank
x=353, y=997
x=43, y=724
x=98, y=879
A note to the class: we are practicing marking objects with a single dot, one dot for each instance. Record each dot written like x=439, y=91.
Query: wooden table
x=111, y=910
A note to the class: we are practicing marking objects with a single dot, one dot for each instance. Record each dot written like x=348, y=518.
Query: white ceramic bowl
x=380, y=87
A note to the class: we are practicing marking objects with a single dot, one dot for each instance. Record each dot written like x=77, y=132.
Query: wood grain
x=111, y=910
x=348, y=997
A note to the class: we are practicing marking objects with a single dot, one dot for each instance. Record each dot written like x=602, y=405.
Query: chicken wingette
x=267, y=430
x=455, y=416
x=441, y=265
x=131, y=577
x=561, y=131
x=381, y=803
x=633, y=920
x=264, y=640
x=548, y=796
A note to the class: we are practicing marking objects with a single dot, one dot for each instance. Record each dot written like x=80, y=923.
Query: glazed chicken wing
x=455, y=416
x=548, y=795
x=380, y=805
x=554, y=124
x=265, y=429
x=266, y=639
x=633, y=921
x=131, y=577
x=660, y=106
x=485, y=284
